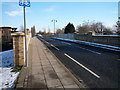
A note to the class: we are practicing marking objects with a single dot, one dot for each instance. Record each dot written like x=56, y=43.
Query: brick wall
x=19, y=49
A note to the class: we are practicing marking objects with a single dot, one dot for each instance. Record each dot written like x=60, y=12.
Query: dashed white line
x=66, y=43
x=46, y=42
x=82, y=66
x=54, y=47
x=93, y=51
x=90, y=50
x=118, y=59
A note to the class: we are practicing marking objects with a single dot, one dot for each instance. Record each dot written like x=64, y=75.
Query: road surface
x=96, y=67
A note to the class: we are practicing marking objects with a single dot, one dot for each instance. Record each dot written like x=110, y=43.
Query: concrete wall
x=113, y=40
x=110, y=40
x=67, y=36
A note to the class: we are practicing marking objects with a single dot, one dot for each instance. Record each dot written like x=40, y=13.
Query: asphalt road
x=95, y=67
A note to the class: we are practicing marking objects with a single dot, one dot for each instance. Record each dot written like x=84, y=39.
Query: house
x=5, y=34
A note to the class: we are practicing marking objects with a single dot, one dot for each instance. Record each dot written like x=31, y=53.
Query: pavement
x=45, y=71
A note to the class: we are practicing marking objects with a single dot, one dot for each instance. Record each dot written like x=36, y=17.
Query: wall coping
x=17, y=34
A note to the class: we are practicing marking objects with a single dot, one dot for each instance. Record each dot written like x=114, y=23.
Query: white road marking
x=82, y=66
x=66, y=43
x=54, y=47
x=118, y=59
x=90, y=50
x=46, y=42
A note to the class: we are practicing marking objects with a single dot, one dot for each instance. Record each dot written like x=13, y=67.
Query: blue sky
x=40, y=14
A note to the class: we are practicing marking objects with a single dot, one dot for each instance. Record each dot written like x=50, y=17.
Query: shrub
x=17, y=69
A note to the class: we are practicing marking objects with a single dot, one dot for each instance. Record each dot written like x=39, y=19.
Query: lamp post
x=54, y=21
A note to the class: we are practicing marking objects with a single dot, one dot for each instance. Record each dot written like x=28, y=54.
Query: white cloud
x=50, y=9
x=14, y=13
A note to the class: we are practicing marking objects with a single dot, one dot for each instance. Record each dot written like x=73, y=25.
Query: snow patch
x=7, y=78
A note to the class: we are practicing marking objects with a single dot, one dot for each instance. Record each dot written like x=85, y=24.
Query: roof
x=8, y=28
x=5, y=27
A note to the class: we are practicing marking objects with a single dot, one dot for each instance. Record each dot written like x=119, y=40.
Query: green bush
x=17, y=69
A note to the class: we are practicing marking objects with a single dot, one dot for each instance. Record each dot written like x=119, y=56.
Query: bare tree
x=96, y=27
x=21, y=28
x=107, y=31
x=118, y=28
x=99, y=28
x=84, y=28
x=48, y=30
x=59, y=31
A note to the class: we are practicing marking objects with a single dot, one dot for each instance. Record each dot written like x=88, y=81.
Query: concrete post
x=19, y=48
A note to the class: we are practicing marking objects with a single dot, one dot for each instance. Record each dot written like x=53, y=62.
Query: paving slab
x=45, y=71
x=53, y=83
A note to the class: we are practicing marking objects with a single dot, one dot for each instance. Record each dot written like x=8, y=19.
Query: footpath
x=45, y=71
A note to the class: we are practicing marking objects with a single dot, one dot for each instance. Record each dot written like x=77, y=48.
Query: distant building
x=5, y=34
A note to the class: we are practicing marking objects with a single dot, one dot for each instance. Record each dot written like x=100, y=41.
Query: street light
x=54, y=21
